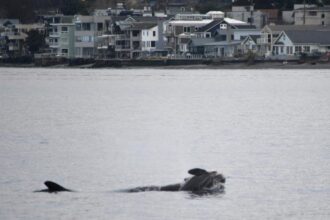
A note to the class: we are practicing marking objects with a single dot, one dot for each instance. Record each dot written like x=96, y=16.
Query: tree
x=72, y=7
x=35, y=41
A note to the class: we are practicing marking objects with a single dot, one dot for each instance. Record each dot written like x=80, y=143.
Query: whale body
x=202, y=182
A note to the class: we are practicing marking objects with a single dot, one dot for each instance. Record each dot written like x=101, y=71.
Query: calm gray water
x=101, y=131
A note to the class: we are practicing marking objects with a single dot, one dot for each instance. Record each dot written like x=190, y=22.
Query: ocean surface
x=101, y=131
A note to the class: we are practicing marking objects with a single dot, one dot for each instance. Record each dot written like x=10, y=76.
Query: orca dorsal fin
x=54, y=187
x=197, y=171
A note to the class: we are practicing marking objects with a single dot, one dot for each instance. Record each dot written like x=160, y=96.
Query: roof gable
x=309, y=36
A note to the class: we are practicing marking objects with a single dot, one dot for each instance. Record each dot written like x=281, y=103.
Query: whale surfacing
x=202, y=182
x=53, y=187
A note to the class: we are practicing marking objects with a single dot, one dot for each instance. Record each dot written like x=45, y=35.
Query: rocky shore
x=169, y=64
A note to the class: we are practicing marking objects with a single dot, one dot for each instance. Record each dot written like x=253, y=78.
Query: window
x=154, y=33
x=78, y=27
x=135, y=33
x=269, y=36
x=99, y=26
x=323, y=16
x=312, y=13
x=282, y=49
x=297, y=49
x=186, y=29
x=307, y=49
x=84, y=39
x=64, y=29
x=64, y=50
x=153, y=43
x=86, y=26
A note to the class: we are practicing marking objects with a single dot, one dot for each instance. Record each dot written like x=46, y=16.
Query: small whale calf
x=201, y=182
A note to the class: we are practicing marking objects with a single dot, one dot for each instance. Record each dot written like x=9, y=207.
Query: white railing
x=185, y=56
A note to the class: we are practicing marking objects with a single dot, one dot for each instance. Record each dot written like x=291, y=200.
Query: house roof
x=309, y=36
x=143, y=25
x=252, y=37
x=280, y=28
x=258, y=4
x=210, y=25
x=324, y=8
x=193, y=22
x=222, y=43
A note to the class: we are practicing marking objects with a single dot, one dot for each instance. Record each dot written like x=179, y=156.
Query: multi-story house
x=13, y=39
x=257, y=12
x=87, y=29
x=312, y=16
x=75, y=36
x=138, y=36
x=181, y=28
x=226, y=37
x=61, y=37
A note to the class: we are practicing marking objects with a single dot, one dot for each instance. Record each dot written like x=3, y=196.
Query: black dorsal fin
x=197, y=171
x=54, y=187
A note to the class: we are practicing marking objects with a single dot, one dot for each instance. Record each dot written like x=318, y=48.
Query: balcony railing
x=262, y=41
x=122, y=37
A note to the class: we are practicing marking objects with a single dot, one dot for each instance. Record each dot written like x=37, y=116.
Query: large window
x=84, y=39
x=99, y=26
x=64, y=29
x=186, y=29
x=307, y=49
x=312, y=13
x=78, y=27
x=297, y=49
x=86, y=26
x=153, y=43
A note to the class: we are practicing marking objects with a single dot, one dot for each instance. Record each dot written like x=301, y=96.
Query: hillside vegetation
x=26, y=10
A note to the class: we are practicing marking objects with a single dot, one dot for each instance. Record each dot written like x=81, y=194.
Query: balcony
x=122, y=37
x=54, y=34
x=262, y=41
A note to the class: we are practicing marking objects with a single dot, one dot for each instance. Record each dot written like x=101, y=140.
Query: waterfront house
x=271, y=32
x=12, y=39
x=61, y=37
x=181, y=28
x=293, y=43
x=225, y=36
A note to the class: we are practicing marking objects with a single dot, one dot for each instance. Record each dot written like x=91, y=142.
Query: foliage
x=72, y=7
x=35, y=41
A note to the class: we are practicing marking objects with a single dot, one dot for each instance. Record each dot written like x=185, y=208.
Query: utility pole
x=304, y=16
x=251, y=15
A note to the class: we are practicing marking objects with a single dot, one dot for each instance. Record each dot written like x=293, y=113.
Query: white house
x=291, y=43
x=249, y=44
x=149, y=37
